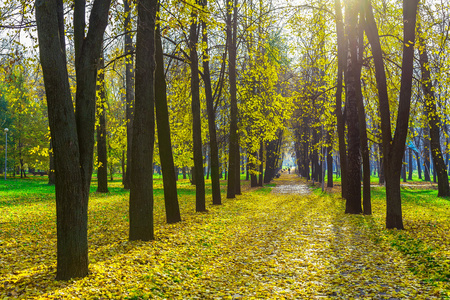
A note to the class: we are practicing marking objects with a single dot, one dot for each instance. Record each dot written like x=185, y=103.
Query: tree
x=141, y=184
x=214, y=152
x=353, y=84
x=129, y=84
x=394, y=146
x=102, y=168
x=433, y=120
x=234, y=160
x=196, y=115
x=165, y=143
x=340, y=115
x=72, y=132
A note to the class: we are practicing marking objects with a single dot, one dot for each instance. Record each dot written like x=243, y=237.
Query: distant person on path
x=289, y=170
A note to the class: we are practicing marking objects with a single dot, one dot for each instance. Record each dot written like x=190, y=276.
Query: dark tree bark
x=272, y=157
x=381, y=179
x=102, y=155
x=426, y=154
x=404, y=168
x=129, y=88
x=233, y=146
x=433, y=121
x=339, y=112
x=51, y=171
x=261, y=164
x=165, y=143
x=238, y=170
x=393, y=147
x=72, y=133
x=253, y=170
x=200, y=204
x=353, y=84
x=329, y=160
x=214, y=148
x=367, y=201
x=410, y=163
x=141, y=176
x=419, y=167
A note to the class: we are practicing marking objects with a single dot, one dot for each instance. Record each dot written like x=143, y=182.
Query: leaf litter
x=257, y=246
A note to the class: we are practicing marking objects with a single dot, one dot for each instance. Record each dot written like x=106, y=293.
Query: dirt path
x=290, y=184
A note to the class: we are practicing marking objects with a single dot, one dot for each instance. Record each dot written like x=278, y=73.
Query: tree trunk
x=353, y=84
x=426, y=154
x=433, y=120
x=261, y=165
x=233, y=147
x=200, y=204
x=213, y=145
x=165, y=143
x=339, y=113
x=329, y=160
x=238, y=170
x=410, y=163
x=419, y=166
x=393, y=148
x=72, y=134
x=102, y=155
x=141, y=176
x=129, y=88
x=252, y=166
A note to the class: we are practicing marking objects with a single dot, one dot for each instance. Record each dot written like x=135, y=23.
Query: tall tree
x=213, y=145
x=72, y=132
x=165, y=143
x=233, y=161
x=129, y=87
x=340, y=114
x=353, y=84
x=102, y=155
x=196, y=117
x=141, y=177
x=394, y=146
x=433, y=120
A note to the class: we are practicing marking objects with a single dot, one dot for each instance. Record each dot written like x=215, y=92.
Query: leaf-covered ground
x=260, y=245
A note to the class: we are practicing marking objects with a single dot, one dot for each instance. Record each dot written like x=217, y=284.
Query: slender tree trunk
x=238, y=170
x=200, y=204
x=233, y=148
x=419, y=166
x=339, y=112
x=141, y=177
x=102, y=171
x=261, y=164
x=213, y=144
x=426, y=155
x=440, y=168
x=165, y=143
x=253, y=169
x=410, y=163
x=329, y=160
x=129, y=87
